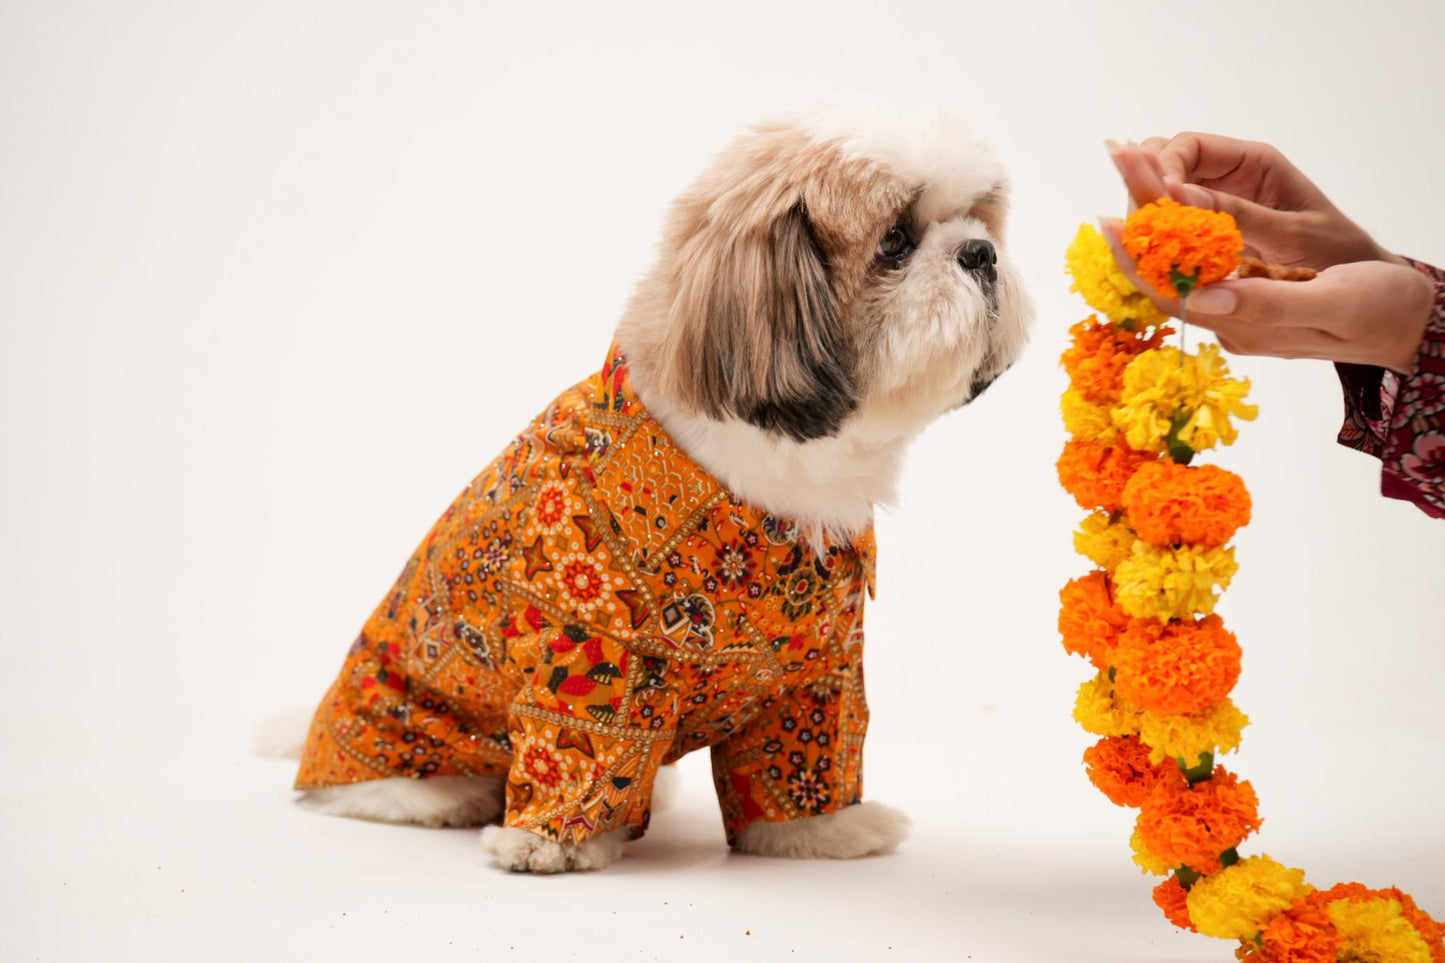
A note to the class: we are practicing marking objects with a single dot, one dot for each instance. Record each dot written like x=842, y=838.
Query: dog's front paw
x=522, y=851
x=861, y=830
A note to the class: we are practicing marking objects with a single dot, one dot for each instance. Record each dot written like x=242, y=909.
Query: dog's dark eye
x=895, y=245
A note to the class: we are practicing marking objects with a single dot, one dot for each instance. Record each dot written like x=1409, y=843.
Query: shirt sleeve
x=1400, y=419
x=589, y=734
x=801, y=756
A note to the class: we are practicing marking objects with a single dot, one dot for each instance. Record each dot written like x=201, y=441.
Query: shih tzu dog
x=675, y=554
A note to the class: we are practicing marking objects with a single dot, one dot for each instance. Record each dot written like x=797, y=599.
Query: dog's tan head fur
x=812, y=285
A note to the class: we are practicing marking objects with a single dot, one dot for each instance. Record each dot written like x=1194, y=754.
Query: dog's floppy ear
x=753, y=330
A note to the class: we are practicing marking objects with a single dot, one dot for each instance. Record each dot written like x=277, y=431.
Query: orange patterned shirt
x=595, y=605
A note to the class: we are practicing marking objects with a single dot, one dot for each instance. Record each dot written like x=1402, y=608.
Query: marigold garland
x=1138, y=411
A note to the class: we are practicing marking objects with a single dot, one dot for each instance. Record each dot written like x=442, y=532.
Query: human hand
x=1366, y=306
x=1362, y=312
x=1283, y=216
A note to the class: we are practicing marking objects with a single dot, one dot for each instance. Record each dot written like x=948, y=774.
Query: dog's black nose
x=978, y=255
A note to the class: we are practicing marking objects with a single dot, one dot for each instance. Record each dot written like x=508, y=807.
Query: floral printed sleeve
x=1401, y=419
x=589, y=733
x=801, y=756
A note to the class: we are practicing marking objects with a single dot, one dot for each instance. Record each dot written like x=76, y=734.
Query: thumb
x=1113, y=230
x=1316, y=303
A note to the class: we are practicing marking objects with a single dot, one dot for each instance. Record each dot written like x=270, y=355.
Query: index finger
x=1196, y=157
x=1142, y=175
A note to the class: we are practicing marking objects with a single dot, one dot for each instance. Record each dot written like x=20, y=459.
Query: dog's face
x=837, y=274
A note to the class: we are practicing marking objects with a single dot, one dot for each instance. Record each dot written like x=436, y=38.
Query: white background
x=267, y=270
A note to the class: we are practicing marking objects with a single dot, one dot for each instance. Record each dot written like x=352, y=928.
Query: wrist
x=1390, y=257
x=1351, y=242
x=1369, y=249
x=1417, y=301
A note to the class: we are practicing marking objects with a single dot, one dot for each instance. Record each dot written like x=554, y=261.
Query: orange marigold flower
x=1119, y=767
x=1089, y=620
x=1098, y=355
x=1173, y=244
x=1191, y=825
x=1351, y=891
x=1430, y=929
x=1208, y=867
x=1301, y=934
x=1169, y=504
x=1096, y=474
x=1176, y=668
x=1172, y=899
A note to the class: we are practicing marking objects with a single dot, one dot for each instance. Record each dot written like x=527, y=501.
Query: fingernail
x=1112, y=146
x=1196, y=196
x=1214, y=301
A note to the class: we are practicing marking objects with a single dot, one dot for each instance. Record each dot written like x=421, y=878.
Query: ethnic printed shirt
x=592, y=606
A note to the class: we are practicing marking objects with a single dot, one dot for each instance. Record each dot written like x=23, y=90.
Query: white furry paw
x=438, y=801
x=862, y=830
x=522, y=851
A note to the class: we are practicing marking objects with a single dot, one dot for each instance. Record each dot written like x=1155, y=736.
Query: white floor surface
x=213, y=861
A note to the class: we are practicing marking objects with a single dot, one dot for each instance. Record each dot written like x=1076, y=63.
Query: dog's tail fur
x=282, y=736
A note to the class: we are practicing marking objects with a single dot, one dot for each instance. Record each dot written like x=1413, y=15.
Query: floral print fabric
x=1401, y=420
x=593, y=606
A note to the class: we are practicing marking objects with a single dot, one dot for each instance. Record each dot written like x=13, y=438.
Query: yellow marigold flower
x=1147, y=861
x=1104, y=286
x=1158, y=389
x=1215, y=729
x=1236, y=902
x=1172, y=583
x=1104, y=539
x=1086, y=420
x=1374, y=931
x=1098, y=710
